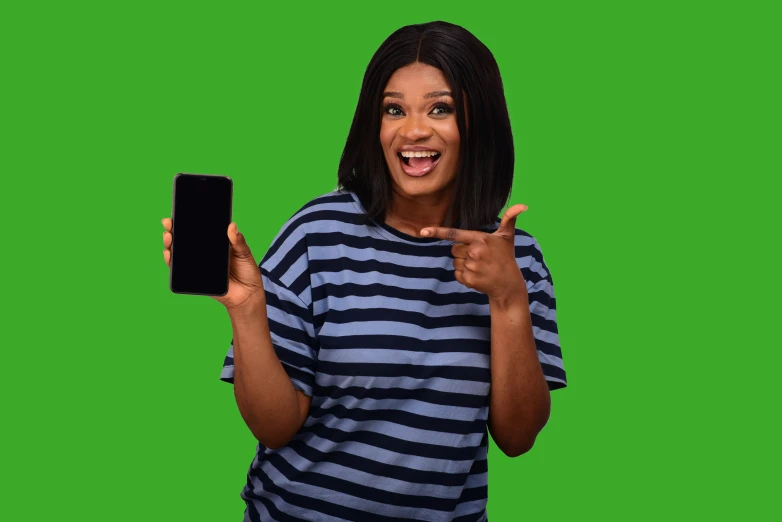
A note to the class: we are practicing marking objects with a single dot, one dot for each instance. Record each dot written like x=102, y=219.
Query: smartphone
x=200, y=249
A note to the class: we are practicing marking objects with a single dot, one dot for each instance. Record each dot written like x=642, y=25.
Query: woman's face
x=418, y=131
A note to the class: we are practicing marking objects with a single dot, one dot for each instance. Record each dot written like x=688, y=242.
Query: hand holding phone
x=206, y=253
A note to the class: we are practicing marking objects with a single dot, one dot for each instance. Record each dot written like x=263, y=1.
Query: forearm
x=520, y=402
x=267, y=400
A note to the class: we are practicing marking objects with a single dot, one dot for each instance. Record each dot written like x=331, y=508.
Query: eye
x=442, y=109
x=393, y=110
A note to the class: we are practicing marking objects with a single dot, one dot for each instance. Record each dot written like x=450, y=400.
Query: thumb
x=508, y=225
x=238, y=243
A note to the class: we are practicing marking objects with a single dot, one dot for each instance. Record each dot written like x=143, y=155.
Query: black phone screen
x=200, y=247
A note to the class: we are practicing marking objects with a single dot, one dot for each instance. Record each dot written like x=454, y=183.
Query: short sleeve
x=543, y=309
x=292, y=333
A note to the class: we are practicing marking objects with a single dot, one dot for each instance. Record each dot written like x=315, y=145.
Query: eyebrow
x=433, y=94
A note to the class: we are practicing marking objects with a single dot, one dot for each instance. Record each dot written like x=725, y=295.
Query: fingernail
x=425, y=232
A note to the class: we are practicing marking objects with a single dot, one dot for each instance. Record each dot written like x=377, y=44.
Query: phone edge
x=230, y=220
x=173, y=212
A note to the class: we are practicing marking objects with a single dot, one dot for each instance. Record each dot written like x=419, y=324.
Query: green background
x=647, y=137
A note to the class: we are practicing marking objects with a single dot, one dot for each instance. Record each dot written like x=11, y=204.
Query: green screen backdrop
x=647, y=136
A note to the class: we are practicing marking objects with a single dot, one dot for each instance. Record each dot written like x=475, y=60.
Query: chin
x=419, y=187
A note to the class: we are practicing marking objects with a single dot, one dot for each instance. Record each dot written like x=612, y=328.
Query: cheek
x=386, y=137
x=453, y=137
x=453, y=142
x=449, y=133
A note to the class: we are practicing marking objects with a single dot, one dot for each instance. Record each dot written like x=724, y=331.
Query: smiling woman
x=397, y=322
x=418, y=93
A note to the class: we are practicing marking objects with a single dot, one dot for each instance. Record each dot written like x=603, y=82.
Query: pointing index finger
x=451, y=234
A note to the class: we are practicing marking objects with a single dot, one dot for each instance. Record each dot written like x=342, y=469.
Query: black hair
x=486, y=157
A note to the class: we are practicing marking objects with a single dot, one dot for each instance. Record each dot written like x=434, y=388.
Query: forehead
x=417, y=79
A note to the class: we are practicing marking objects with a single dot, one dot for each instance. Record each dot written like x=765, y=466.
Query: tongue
x=420, y=162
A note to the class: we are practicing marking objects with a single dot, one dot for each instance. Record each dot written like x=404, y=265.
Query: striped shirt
x=371, y=323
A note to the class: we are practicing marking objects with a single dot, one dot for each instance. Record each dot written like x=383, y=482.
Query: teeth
x=418, y=153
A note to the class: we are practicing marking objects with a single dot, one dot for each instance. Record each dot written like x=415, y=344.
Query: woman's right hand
x=244, y=281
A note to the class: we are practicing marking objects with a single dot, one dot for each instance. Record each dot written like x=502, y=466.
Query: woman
x=395, y=322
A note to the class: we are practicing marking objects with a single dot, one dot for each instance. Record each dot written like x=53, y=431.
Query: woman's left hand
x=487, y=262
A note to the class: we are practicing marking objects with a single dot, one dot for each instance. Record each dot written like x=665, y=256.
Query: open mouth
x=418, y=163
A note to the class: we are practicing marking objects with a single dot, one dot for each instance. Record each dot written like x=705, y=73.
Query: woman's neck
x=409, y=215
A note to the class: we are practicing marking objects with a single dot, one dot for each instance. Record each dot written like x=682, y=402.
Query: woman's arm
x=270, y=406
x=519, y=401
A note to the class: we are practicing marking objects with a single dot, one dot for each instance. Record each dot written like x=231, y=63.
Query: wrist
x=510, y=301
x=250, y=309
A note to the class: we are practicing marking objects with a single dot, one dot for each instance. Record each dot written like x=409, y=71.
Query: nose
x=415, y=128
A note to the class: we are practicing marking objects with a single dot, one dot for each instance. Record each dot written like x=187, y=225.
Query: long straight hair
x=486, y=157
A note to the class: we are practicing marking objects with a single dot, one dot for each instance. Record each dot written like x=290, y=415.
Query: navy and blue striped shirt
x=371, y=323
